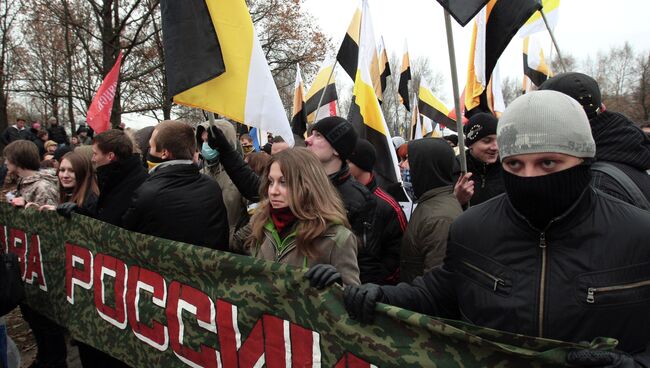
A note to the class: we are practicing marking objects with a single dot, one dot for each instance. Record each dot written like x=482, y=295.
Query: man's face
x=45, y=137
x=317, y=143
x=20, y=123
x=486, y=149
x=83, y=134
x=539, y=164
x=100, y=158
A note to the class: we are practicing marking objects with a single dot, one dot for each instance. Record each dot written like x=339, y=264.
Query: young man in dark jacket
x=390, y=220
x=483, y=178
x=177, y=202
x=57, y=132
x=552, y=258
x=619, y=143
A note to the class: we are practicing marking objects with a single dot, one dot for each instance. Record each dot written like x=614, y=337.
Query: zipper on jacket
x=497, y=281
x=542, y=283
x=484, y=175
x=592, y=291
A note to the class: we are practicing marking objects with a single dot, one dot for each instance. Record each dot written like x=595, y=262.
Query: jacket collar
x=170, y=163
x=340, y=176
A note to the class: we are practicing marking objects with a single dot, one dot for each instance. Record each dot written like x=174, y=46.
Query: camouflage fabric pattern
x=41, y=188
x=398, y=338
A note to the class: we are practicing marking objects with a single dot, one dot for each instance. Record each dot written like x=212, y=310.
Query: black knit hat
x=480, y=125
x=339, y=133
x=581, y=87
x=364, y=155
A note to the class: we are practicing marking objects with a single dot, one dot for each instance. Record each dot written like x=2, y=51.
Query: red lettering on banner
x=142, y=279
x=277, y=342
x=115, y=268
x=356, y=362
x=76, y=256
x=186, y=298
x=305, y=347
x=251, y=353
x=35, y=264
x=18, y=245
x=228, y=333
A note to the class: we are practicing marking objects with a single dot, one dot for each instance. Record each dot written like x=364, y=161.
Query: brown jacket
x=425, y=241
x=336, y=246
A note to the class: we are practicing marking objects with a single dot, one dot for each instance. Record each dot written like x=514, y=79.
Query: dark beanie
x=339, y=133
x=364, y=155
x=480, y=126
x=61, y=151
x=581, y=87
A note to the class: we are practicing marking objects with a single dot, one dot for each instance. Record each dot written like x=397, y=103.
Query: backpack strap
x=624, y=181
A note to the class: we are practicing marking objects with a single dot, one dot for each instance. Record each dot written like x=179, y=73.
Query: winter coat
x=431, y=162
x=487, y=179
x=87, y=141
x=625, y=146
x=586, y=275
x=336, y=246
x=390, y=222
x=117, y=181
x=41, y=147
x=57, y=133
x=41, y=188
x=179, y=203
x=360, y=206
x=425, y=241
x=29, y=134
x=10, y=134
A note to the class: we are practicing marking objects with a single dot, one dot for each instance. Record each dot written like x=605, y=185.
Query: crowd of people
x=544, y=235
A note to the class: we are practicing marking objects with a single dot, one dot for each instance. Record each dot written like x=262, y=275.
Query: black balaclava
x=431, y=162
x=540, y=199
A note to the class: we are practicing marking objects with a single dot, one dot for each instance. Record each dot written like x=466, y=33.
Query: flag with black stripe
x=384, y=67
x=434, y=109
x=348, y=55
x=463, y=10
x=404, y=78
x=298, y=114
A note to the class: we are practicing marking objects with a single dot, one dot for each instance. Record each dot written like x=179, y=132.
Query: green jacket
x=425, y=240
x=336, y=246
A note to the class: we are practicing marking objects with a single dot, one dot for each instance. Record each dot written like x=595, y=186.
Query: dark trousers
x=50, y=339
x=91, y=357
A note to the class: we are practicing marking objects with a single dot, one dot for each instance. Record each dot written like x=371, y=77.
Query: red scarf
x=282, y=218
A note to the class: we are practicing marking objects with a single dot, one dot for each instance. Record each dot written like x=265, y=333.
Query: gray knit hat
x=545, y=121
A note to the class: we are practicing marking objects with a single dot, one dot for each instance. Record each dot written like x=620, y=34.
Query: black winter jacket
x=586, y=275
x=390, y=223
x=361, y=206
x=117, y=181
x=487, y=179
x=625, y=146
x=10, y=134
x=179, y=203
x=57, y=133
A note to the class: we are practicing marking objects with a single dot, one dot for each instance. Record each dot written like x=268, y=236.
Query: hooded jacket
x=431, y=162
x=117, y=181
x=586, y=275
x=179, y=203
x=625, y=146
x=41, y=188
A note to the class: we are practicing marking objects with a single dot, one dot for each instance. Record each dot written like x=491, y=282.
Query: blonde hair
x=312, y=199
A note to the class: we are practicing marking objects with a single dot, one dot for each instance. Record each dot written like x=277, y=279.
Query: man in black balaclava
x=431, y=162
x=552, y=258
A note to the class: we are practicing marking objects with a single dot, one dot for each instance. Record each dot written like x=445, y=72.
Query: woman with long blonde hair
x=301, y=220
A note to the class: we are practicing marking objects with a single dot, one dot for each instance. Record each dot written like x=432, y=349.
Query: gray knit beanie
x=545, y=121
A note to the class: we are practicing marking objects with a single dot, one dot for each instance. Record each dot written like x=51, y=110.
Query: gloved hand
x=323, y=275
x=600, y=358
x=66, y=209
x=217, y=140
x=360, y=301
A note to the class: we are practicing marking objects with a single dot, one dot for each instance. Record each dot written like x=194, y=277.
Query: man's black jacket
x=117, y=181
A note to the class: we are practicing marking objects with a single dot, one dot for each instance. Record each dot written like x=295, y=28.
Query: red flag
x=99, y=113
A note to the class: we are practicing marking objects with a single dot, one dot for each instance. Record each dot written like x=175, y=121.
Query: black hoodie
x=625, y=146
x=431, y=162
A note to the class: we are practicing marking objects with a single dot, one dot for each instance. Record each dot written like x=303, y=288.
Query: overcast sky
x=584, y=28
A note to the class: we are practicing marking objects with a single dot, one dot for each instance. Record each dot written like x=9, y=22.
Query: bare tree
x=9, y=53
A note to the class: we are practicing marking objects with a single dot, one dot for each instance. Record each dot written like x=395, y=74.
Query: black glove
x=600, y=358
x=323, y=275
x=217, y=140
x=66, y=209
x=360, y=301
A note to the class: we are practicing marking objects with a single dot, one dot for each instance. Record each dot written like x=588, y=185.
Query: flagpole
x=550, y=32
x=320, y=101
x=454, y=82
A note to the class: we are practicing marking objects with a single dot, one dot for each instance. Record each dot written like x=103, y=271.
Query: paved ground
x=19, y=331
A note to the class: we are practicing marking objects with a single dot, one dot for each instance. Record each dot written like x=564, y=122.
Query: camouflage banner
x=153, y=302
